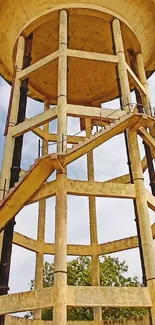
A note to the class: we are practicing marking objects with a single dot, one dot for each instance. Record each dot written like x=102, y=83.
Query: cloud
x=4, y=95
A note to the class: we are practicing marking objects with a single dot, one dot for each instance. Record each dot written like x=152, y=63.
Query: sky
x=115, y=217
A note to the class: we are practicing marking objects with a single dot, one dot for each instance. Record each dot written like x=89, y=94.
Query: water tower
x=74, y=56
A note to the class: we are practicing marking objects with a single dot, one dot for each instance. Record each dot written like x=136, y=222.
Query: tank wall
x=138, y=14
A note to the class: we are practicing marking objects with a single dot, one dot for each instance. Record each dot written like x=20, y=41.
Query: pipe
x=15, y=170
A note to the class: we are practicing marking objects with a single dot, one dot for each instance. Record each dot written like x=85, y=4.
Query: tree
x=112, y=273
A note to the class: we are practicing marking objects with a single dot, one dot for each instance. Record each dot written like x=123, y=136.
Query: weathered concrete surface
x=140, y=321
x=83, y=23
x=85, y=20
x=19, y=321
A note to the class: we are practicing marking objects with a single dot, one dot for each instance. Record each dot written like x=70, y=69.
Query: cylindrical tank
x=89, y=30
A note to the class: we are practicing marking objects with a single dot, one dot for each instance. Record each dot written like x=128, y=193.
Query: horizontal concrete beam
x=96, y=113
x=26, y=242
x=49, y=248
x=109, y=58
x=79, y=250
x=121, y=244
x=52, y=137
x=84, y=188
x=24, y=301
x=37, y=65
x=77, y=297
x=136, y=81
x=124, y=179
x=72, y=250
x=72, y=53
x=118, y=245
x=70, y=138
x=147, y=138
x=10, y=320
x=100, y=189
x=32, y=123
x=47, y=190
x=108, y=297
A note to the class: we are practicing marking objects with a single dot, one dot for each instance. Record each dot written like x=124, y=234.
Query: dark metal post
x=151, y=169
x=39, y=146
x=62, y=142
x=4, y=188
x=140, y=107
x=15, y=170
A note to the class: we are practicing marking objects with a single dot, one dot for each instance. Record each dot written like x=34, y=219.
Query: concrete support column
x=14, y=105
x=93, y=225
x=41, y=226
x=60, y=265
x=62, y=84
x=147, y=108
x=144, y=218
x=143, y=80
x=123, y=74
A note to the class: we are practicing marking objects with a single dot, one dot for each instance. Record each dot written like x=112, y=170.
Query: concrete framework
x=34, y=187
x=19, y=321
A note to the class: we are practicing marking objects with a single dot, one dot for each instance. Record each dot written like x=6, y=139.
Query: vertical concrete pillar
x=62, y=84
x=144, y=218
x=93, y=225
x=143, y=80
x=60, y=267
x=14, y=104
x=41, y=225
x=147, y=108
x=123, y=74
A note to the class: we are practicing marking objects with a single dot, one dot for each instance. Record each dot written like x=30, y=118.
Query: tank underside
x=89, y=29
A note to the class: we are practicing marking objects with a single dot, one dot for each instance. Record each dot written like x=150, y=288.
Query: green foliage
x=112, y=273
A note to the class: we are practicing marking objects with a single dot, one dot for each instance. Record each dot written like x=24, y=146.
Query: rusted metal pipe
x=15, y=170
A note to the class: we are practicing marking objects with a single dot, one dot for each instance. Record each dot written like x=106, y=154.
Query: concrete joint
x=60, y=172
x=62, y=96
x=61, y=271
x=120, y=52
x=63, y=43
x=150, y=279
x=12, y=123
x=138, y=178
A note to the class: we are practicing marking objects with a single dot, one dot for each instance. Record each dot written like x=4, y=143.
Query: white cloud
x=4, y=95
